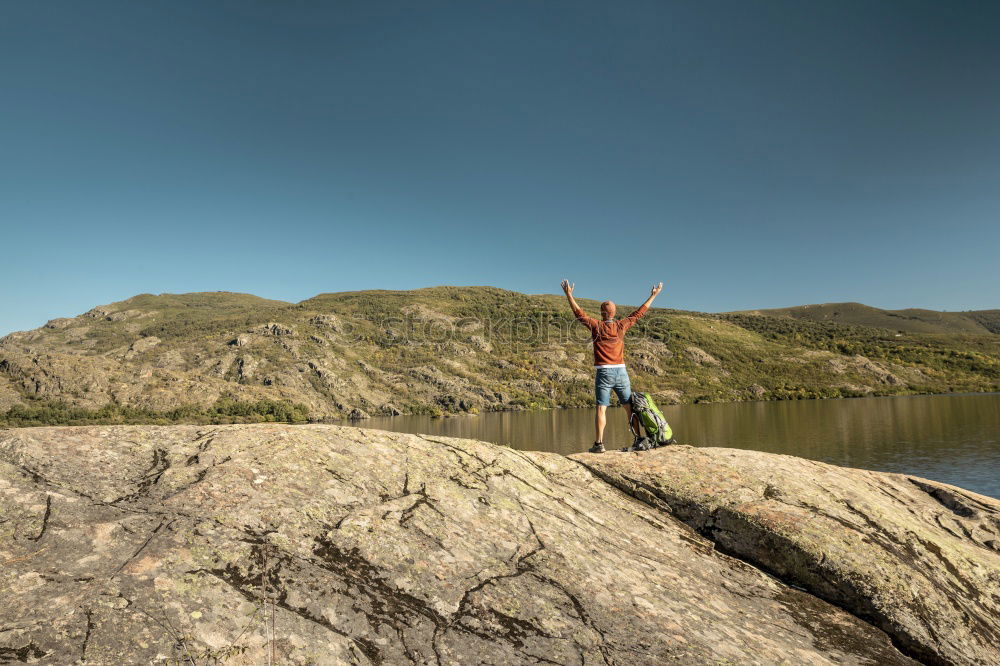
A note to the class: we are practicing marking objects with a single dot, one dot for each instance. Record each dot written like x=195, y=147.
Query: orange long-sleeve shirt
x=609, y=336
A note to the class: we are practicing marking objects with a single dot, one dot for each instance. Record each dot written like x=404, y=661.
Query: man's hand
x=657, y=288
x=568, y=288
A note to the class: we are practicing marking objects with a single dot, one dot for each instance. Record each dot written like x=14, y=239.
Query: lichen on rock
x=917, y=558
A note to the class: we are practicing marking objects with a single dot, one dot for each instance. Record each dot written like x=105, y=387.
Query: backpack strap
x=634, y=425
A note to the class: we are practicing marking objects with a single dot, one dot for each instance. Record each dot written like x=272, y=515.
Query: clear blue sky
x=748, y=153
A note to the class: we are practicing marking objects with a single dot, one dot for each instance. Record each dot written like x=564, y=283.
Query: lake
x=949, y=438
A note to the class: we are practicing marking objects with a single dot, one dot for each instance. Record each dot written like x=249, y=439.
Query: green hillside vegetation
x=988, y=319
x=223, y=411
x=183, y=358
x=911, y=320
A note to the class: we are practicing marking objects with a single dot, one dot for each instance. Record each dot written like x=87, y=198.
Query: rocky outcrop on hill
x=919, y=559
x=699, y=356
x=336, y=545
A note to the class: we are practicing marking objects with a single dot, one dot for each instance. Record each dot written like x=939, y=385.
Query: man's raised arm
x=641, y=310
x=568, y=288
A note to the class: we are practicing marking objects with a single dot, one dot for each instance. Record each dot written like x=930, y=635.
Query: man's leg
x=603, y=381
x=623, y=388
x=600, y=419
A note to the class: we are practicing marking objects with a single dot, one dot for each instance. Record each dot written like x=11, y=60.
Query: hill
x=225, y=357
x=911, y=320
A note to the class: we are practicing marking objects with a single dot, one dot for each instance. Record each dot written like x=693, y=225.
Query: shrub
x=225, y=410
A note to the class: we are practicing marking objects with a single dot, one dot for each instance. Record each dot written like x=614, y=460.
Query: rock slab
x=917, y=558
x=335, y=545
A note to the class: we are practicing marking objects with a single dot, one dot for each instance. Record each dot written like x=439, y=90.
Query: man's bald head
x=608, y=310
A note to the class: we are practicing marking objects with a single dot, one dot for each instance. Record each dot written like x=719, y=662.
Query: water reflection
x=952, y=438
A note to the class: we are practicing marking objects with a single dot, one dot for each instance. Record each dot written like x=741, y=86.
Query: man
x=610, y=374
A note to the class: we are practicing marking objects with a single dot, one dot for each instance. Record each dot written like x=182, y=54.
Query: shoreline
x=451, y=415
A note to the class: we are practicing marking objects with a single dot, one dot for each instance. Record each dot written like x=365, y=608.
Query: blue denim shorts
x=607, y=379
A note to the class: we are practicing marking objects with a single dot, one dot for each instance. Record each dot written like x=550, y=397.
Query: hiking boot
x=598, y=447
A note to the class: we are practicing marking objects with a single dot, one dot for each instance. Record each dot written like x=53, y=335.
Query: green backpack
x=647, y=416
